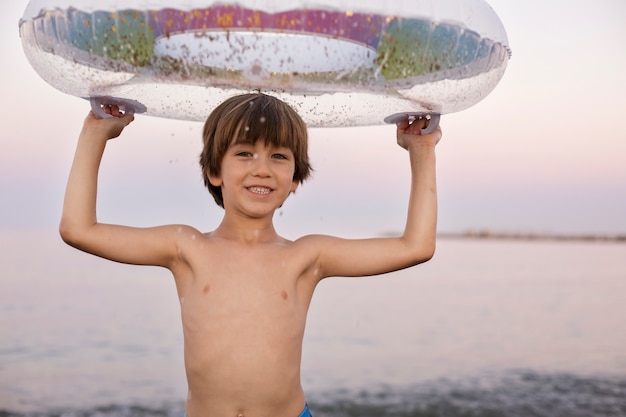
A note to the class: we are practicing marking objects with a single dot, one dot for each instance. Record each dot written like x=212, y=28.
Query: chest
x=248, y=275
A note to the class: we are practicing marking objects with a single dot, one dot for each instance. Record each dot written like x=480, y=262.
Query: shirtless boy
x=244, y=289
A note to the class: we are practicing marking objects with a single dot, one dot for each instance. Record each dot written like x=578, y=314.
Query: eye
x=279, y=156
x=246, y=154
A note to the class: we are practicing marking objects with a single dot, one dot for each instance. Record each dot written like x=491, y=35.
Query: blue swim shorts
x=304, y=413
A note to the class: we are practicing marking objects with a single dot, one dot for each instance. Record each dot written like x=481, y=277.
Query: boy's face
x=256, y=179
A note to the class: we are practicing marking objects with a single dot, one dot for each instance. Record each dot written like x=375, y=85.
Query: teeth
x=259, y=190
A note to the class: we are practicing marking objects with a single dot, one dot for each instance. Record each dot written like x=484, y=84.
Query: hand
x=110, y=127
x=410, y=133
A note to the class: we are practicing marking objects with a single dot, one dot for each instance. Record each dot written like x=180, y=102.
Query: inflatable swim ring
x=343, y=63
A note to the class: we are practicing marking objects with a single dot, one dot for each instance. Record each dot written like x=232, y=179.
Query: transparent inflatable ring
x=338, y=63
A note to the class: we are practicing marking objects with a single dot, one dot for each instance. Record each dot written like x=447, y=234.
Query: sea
x=487, y=328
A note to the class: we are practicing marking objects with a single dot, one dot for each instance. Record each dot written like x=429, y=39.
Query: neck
x=247, y=230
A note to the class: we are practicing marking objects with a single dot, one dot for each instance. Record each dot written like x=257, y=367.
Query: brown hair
x=249, y=118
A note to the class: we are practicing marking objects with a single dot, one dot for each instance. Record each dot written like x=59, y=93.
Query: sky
x=545, y=152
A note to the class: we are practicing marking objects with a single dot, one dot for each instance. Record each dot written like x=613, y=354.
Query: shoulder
x=307, y=253
x=175, y=233
x=190, y=246
x=313, y=241
x=187, y=237
x=185, y=232
x=178, y=237
x=313, y=246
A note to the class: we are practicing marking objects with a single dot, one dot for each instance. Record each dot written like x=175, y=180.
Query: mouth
x=259, y=190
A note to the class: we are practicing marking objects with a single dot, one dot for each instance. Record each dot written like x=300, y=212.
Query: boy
x=244, y=290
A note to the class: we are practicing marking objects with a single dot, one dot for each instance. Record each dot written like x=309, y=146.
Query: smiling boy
x=245, y=290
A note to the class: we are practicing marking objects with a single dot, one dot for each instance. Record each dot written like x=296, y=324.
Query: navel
x=284, y=295
x=206, y=289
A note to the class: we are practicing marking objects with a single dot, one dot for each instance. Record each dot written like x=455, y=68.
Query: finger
x=403, y=125
x=115, y=111
x=415, y=126
x=423, y=123
x=128, y=118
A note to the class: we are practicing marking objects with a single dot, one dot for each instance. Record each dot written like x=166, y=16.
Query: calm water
x=487, y=328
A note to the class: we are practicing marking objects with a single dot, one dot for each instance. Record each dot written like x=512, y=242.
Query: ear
x=215, y=181
x=294, y=187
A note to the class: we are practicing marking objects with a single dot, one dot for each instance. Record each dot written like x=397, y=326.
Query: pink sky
x=546, y=151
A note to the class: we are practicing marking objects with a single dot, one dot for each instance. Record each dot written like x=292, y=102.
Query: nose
x=260, y=165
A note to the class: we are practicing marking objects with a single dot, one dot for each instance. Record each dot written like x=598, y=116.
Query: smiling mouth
x=260, y=190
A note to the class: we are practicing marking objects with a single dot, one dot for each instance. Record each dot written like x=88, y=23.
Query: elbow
x=423, y=253
x=69, y=233
x=427, y=253
x=431, y=253
x=66, y=232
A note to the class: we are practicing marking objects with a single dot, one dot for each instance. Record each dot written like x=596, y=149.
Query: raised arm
x=79, y=226
x=421, y=227
x=361, y=257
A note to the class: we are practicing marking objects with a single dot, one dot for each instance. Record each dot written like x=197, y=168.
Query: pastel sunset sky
x=545, y=152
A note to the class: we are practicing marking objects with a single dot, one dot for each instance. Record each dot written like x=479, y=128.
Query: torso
x=243, y=309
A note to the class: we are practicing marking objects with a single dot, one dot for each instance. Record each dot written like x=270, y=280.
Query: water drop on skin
x=255, y=156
